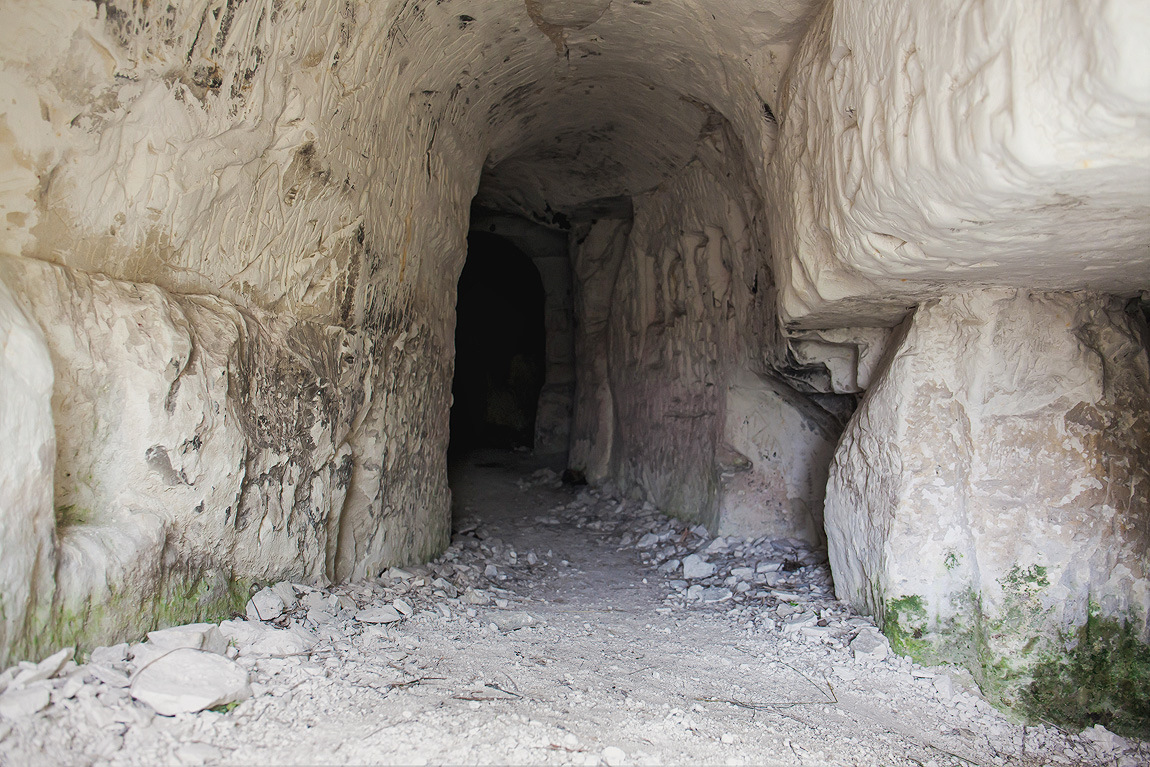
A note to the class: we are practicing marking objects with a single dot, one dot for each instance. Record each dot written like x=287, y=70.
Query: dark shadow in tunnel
x=499, y=348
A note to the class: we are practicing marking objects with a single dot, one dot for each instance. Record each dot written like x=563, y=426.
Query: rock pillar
x=989, y=499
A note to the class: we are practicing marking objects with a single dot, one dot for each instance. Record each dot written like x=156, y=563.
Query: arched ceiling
x=574, y=101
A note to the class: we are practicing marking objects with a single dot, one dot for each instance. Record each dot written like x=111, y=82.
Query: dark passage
x=499, y=347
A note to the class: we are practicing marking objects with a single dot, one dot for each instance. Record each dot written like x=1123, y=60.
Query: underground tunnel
x=839, y=311
x=499, y=348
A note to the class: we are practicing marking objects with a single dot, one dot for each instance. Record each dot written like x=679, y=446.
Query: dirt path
x=546, y=635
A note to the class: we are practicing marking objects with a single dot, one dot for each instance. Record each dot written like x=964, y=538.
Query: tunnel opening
x=500, y=348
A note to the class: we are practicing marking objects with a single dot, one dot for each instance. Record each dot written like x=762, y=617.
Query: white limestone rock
x=253, y=638
x=286, y=593
x=25, y=701
x=27, y=465
x=186, y=471
x=997, y=403
x=696, y=567
x=715, y=594
x=45, y=669
x=648, y=541
x=787, y=442
x=893, y=145
x=187, y=680
x=112, y=655
x=870, y=645
x=198, y=636
x=476, y=597
x=265, y=605
x=385, y=614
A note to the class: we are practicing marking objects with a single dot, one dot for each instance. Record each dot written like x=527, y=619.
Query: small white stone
x=198, y=636
x=45, y=669
x=108, y=656
x=845, y=672
x=870, y=645
x=108, y=676
x=253, y=638
x=695, y=567
x=385, y=614
x=650, y=540
x=719, y=544
x=187, y=680
x=265, y=605
x=944, y=686
x=1105, y=740
x=614, y=756
x=795, y=623
x=198, y=753
x=402, y=607
x=25, y=702
x=476, y=597
x=285, y=592
x=715, y=594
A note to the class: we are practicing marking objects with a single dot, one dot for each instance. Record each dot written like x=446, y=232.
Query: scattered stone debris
x=589, y=630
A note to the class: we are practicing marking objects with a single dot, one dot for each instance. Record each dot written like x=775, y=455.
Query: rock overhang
x=932, y=149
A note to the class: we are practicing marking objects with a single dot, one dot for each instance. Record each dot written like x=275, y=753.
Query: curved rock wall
x=232, y=232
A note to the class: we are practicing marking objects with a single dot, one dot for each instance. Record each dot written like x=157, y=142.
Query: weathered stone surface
x=212, y=428
x=994, y=405
x=23, y=702
x=256, y=639
x=900, y=130
x=265, y=605
x=27, y=461
x=242, y=249
x=783, y=444
x=45, y=669
x=187, y=680
x=870, y=645
x=695, y=567
x=198, y=636
x=385, y=614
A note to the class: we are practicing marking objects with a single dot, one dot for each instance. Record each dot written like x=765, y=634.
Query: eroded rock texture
x=993, y=489
x=233, y=231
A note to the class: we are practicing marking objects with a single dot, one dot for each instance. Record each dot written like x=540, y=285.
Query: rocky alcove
x=868, y=280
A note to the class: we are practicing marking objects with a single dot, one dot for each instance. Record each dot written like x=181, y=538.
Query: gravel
x=562, y=626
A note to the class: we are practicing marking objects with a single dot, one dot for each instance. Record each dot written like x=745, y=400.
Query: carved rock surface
x=27, y=460
x=995, y=482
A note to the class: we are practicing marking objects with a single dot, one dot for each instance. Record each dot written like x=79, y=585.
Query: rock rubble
x=196, y=694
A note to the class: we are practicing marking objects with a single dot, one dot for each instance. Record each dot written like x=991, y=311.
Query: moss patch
x=1020, y=662
x=70, y=514
x=1104, y=679
x=905, y=625
x=956, y=640
x=128, y=615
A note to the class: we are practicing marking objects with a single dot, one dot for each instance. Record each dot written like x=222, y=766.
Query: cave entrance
x=500, y=347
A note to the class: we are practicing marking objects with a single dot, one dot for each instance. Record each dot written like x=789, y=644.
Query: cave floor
x=576, y=650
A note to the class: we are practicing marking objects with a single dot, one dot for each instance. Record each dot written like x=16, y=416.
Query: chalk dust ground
x=547, y=635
